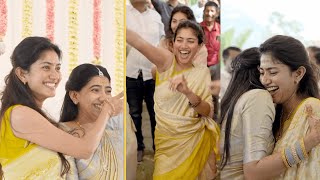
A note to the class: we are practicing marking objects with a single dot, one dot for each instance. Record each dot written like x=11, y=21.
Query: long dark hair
x=245, y=76
x=182, y=9
x=78, y=78
x=292, y=53
x=27, y=52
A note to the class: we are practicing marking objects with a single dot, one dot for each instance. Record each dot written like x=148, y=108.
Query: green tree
x=228, y=38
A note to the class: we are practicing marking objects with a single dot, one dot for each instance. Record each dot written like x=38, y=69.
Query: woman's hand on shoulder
x=314, y=124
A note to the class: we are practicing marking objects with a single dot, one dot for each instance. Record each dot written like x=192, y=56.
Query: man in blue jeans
x=140, y=85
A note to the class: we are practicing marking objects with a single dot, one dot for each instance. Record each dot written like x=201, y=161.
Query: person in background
x=164, y=8
x=139, y=82
x=212, y=32
x=198, y=10
x=228, y=55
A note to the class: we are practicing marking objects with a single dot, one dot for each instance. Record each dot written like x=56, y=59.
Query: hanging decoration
x=97, y=32
x=3, y=25
x=119, y=20
x=27, y=18
x=73, y=34
x=50, y=19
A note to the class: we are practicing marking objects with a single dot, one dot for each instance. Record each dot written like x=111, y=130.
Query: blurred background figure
x=198, y=10
x=164, y=8
x=229, y=54
x=140, y=85
x=211, y=29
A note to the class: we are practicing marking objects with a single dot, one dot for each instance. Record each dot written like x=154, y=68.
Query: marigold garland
x=50, y=19
x=97, y=32
x=27, y=18
x=73, y=34
x=3, y=18
x=119, y=45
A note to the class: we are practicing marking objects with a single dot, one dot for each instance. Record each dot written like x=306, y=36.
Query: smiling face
x=176, y=19
x=278, y=79
x=44, y=76
x=90, y=98
x=210, y=13
x=185, y=46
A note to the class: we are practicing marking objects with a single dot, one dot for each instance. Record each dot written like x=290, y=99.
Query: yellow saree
x=294, y=129
x=185, y=142
x=21, y=160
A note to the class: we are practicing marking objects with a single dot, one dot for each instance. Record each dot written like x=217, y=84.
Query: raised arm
x=30, y=125
x=156, y=4
x=161, y=57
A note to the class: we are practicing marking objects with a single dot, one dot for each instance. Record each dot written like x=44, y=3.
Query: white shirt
x=198, y=12
x=149, y=26
x=224, y=81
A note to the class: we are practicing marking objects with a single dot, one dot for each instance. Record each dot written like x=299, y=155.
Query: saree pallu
x=186, y=143
x=107, y=160
x=294, y=129
x=21, y=160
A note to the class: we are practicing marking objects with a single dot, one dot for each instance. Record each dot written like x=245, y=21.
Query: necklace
x=282, y=122
x=79, y=125
x=78, y=131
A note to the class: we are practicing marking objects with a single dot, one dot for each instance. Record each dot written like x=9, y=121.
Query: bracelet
x=284, y=159
x=195, y=104
x=295, y=155
x=289, y=157
x=305, y=154
x=299, y=151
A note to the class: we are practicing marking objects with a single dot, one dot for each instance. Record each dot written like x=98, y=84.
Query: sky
x=255, y=14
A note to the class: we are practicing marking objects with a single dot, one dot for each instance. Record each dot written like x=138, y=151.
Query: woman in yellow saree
x=287, y=74
x=29, y=139
x=248, y=113
x=86, y=89
x=185, y=135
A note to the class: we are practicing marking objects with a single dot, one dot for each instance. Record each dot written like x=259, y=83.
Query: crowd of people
x=257, y=117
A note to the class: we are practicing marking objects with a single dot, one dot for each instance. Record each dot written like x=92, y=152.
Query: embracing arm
x=30, y=125
x=273, y=165
x=161, y=57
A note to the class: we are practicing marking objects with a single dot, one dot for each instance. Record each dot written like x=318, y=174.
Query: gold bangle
x=305, y=154
x=284, y=159
x=195, y=104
